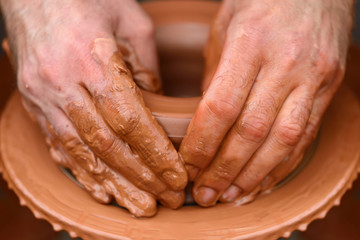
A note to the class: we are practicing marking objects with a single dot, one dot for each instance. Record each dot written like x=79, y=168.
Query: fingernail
x=192, y=171
x=205, y=196
x=175, y=181
x=231, y=194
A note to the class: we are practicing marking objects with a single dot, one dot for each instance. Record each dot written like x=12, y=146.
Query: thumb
x=102, y=50
x=135, y=35
x=215, y=44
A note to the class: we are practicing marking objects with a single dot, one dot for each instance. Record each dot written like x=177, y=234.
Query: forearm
x=34, y=21
x=14, y=13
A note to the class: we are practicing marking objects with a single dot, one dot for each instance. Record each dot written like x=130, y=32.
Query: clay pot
x=181, y=33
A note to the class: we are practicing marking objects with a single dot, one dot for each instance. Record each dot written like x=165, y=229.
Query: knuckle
x=289, y=61
x=222, y=107
x=46, y=69
x=46, y=73
x=26, y=80
x=252, y=128
x=311, y=129
x=106, y=147
x=101, y=141
x=146, y=181
x=129, y=124
x=200, y=154
x=146, y=28
x=289, y=134
x=230, y=79
x=292, y=54
x=291, y=128
x=250, y=178
x=224, y=171
x=325, y=67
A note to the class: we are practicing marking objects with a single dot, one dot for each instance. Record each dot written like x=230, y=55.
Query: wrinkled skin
x=272, y=68
x=76, y=66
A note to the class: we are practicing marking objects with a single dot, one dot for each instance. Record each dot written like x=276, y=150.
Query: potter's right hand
x=76, y=84
x=272, y=69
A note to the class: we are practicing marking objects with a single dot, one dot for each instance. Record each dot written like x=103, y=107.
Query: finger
x=144, y=78
x=79, y=161
x=222, y=103
x=61, y=157
x=36, y=114
x=321, y=102
x=283, y=137
x=89, y=170
x=103, y=183
x=141, y=37
x=246, y=135
x=113, y=151
x=138, y=202
x=86, y=179
x=215, y=43
x=120, y=103
x=102, y=50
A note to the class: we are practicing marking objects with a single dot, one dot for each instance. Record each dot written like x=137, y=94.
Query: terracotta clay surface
x=340, y=223
x=36, y=180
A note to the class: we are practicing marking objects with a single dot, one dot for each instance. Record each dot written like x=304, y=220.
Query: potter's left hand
x=79, y=66
x=272, y=69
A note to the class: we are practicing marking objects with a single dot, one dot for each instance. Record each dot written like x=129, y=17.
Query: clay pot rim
x=179, y=107
x=40, y=192
x=175, y=113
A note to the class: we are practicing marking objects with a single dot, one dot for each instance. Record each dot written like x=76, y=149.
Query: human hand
x=78, y=85
x=272, y=67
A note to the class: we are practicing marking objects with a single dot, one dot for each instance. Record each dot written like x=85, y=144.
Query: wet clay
x=126, y=168
x=129, y=167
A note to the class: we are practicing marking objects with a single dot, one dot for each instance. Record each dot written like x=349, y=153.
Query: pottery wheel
x=42, y=186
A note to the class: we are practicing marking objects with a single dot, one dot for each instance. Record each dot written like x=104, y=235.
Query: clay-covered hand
x=76, y=68
x=272, y=68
